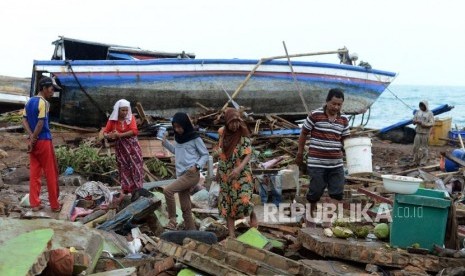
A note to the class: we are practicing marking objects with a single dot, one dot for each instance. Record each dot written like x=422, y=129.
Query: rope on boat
x=85, y=92
x=387, y=88
x=408, y=106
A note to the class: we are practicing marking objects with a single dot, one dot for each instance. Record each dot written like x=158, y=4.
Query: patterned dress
x=234, y=198
x=129, y=157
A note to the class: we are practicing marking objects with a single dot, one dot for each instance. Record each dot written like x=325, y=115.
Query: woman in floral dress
x=234, y=151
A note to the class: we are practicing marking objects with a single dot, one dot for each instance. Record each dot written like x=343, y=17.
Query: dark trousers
x=321, y=178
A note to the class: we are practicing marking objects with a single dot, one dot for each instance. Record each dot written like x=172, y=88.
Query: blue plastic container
x=451, y=166
x=454, y=134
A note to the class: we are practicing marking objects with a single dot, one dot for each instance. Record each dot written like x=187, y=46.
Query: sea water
x=398, y=102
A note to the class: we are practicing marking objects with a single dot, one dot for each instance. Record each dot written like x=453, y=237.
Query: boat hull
x=167, y=86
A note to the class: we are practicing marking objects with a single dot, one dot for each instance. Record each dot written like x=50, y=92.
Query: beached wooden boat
x=95, y=77
x=14, y=93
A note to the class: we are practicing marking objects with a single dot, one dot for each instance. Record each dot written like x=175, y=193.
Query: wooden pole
x=295, y=79
x=234, y=95
x=460, y=136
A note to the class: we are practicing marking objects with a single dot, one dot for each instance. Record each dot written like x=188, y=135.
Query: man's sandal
x=172, y=225
x=37, y=208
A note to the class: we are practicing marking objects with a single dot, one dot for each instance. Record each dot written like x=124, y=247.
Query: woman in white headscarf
x=122, y=128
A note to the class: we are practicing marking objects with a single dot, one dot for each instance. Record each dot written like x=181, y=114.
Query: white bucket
x=358, y=155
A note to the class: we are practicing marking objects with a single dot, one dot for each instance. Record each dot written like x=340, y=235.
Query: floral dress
x=234, y=198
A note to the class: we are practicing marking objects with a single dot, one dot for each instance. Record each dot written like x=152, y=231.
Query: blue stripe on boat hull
x=166, y=92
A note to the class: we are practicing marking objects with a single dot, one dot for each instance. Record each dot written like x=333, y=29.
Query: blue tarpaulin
x=292, y=131
x=438, y=110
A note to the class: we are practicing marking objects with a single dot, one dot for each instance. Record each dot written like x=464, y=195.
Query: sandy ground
x=387, y=158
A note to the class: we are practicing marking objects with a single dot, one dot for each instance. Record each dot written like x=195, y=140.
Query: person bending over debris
x=122, y=128
x=40, y=147
x=327, y=129
x=234, y=151
x=424, y=121
x=190, y=156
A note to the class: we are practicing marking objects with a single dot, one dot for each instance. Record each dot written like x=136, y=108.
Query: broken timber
x=371, y=252
x=78, y=129
x=363, y=179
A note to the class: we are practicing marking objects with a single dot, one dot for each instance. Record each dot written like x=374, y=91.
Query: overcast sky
x=421, y=40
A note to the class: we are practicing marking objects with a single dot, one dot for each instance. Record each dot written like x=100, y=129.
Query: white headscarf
x=117, y=106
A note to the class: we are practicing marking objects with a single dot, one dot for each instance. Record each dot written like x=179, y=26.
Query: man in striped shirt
x=327, y=129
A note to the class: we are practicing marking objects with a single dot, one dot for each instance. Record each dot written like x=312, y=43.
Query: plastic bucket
x=452, y=166
x=358, y=155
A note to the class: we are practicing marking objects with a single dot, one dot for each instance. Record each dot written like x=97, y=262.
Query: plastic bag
x=213, y=195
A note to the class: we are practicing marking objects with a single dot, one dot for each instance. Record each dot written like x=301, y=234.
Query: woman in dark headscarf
x=234, y=151
x=190, y=156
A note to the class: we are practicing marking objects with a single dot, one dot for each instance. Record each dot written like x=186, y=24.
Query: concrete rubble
x=109, y=234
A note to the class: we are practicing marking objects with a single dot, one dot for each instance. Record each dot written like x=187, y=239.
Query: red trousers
x=43, y=159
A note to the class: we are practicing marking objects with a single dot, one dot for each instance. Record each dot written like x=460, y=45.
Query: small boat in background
x=94, y=75
x=14, y=93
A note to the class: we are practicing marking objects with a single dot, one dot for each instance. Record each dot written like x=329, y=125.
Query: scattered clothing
x=270, y=185
x=94, y=190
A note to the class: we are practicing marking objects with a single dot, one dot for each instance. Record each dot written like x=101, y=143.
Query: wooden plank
x=286, y=122
x=78, y=129
x=363, y=179
x=151, y=177
x=212, y=211
x=375, y=196
x=282, y=228
x=93, y=216
x=11, y=128
x=150, y=240
x=421, y=168
x=141, y=113
x=67, y=208
x=153, y=148
x=203, y=107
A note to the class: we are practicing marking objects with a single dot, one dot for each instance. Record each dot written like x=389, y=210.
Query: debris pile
x=99, y=229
